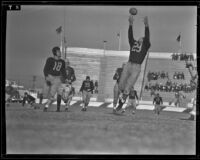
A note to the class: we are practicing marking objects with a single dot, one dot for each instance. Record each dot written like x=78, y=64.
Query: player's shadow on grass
x=186, y=119
x=116, y=114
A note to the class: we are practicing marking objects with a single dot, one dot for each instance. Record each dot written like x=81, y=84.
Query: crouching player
x=132, y=100
x=157, y=101
x=30, y=99
x=87, y=88
x=67, y=90
x=116, y=91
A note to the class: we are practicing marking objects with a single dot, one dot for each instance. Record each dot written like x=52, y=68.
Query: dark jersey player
x=132, y=69
x=67, y=89
x=157, y=101
x=54, y=69
x=87, y=88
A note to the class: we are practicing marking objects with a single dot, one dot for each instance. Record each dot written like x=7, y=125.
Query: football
x=133, y=11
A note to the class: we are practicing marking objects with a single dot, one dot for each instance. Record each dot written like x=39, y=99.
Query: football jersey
x=54, y=67
x=157, y=100
x=70, y=75
x=133, y=94
x=138, y=51
x=87, y=86
x=117, y=74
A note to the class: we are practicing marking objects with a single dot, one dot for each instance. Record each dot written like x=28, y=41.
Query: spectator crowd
x=171, y=87
x=178, y=75
x=157, y=75
x=182, y=57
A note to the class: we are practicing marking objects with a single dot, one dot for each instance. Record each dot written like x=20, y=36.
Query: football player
x=87, y=88
x=54, y=69
x=157, y=101
x=67, y=90
x=116, y=91
x=132, y=69
x=132, y=100
x=30, y=99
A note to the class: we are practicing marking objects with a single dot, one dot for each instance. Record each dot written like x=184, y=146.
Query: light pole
x=104, y=47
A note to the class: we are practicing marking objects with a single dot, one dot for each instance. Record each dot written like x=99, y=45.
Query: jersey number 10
x=57, y=66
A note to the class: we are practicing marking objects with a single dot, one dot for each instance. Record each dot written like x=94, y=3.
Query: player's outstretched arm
x=147, y=32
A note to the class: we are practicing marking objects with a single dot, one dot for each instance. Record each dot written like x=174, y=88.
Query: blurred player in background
x=193, y=111
x=54, y=70
x=133, y=100
x=178, y=97
x=87, y=88
x=67, y=91
x=28, y=98
x=116, y=90
x=132, y=69
x=157, y=101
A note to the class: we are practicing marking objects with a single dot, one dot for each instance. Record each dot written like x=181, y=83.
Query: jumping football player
x=54, y=69
x=116, y=91
x=67, y=89
x=87, y=88
x=157, y=101
x=132, y=100
x=132, y=69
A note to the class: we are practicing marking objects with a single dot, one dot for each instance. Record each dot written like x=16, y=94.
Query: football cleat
x=45, y=109
x=133, y=112
x=123, y=111
x=66, y=109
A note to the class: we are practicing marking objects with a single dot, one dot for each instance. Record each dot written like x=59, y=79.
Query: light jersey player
x=132, y=101
x=116, y=91
x=54, y=69
x=67, y=89
x=132, y=69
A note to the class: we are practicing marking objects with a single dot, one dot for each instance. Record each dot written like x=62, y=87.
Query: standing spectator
x=173, y=57
x=96, y=87
x=40, y=98
x=152, y=93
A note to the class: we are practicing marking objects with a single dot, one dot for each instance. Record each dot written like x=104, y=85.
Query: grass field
x=97, y=131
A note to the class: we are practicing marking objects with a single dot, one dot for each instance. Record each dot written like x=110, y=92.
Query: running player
x=157, y=101
x=132, y=69
x=87, y=88
x=116, y=91
x=132, y=100
x=67, y=89
x=54, y=69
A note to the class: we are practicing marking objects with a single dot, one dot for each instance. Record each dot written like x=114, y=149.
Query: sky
x=31, y=32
